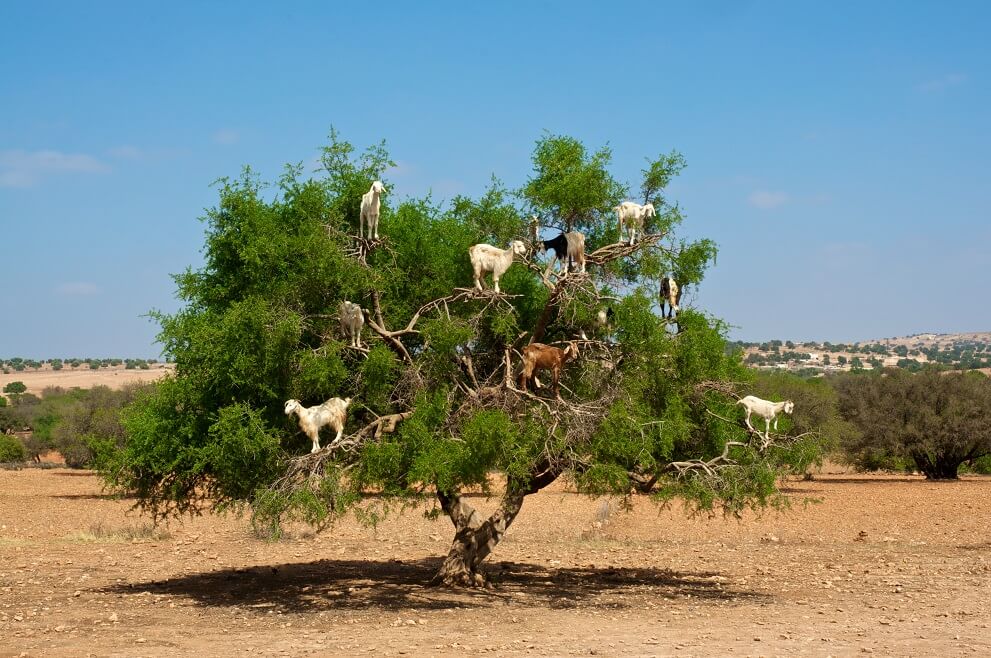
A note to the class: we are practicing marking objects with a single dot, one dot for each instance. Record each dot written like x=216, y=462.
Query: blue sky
x=838, y=152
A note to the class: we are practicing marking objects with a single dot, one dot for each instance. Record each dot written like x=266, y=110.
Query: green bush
x=11, y=449
x=981, y=465
x=15, y=388
x=92, y=417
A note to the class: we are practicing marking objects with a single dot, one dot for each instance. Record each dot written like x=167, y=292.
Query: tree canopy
x=436, y=410
x=937, y=420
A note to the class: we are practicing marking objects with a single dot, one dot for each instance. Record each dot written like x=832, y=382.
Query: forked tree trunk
x=475, y=538
x=942, y=467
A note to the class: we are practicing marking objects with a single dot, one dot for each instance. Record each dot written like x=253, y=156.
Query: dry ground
x=82, y=377
x=80, y=574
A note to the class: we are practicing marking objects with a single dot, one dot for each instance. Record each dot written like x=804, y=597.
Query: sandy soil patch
x=113, y=377
x=883, y=565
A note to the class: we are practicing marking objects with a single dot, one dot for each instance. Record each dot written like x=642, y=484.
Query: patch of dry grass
x=101, y=532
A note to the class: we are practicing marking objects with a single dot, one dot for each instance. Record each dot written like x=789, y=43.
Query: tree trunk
x=474, y=538
x=942, y=467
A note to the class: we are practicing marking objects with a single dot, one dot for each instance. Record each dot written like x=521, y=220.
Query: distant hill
x=963, y=351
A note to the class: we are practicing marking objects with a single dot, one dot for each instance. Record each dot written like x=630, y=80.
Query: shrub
x=11, y=449
x=939, y=421
x=981, y=465
x=93, y=419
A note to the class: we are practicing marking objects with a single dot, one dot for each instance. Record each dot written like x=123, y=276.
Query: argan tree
x=937, y=420
x=437, y=409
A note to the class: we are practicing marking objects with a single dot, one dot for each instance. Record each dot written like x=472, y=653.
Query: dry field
x=883, y=565
x=113, y=377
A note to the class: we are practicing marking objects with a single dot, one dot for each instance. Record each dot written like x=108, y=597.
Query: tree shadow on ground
x=89, y=496
x=335, y=585
x=917, y=479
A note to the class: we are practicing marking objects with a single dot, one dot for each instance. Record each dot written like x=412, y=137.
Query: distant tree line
x=18, y=364
x=957, y=355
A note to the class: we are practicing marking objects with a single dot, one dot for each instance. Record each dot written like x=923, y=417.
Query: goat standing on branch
x=371, y=203
x=333, y=412
x=766, y=409
x=632, y=215
x=486, y=258
x=537, y=356
x=352, y=320
x=670, y=295
x=568, y=248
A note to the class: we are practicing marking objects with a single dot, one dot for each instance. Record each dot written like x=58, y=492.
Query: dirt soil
x=883, y=565
x=83, y=377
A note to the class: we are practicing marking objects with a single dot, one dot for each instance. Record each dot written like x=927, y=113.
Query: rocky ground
x=883, y=565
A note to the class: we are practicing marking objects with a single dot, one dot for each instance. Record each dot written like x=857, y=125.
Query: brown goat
x=537, y=356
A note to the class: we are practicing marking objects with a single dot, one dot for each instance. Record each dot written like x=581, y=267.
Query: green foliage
x=11, y=449
x=981, y=465
x=15, y=388
x=571, y=188
x=937, y=420
x=84, y=419
x=259, y=326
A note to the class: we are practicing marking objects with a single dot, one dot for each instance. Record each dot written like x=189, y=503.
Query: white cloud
x=127, y=152
x=942, y=83
x=77, y=289
x=767, y=200
x=19, y=168
x=226, y=136
x=402, y=169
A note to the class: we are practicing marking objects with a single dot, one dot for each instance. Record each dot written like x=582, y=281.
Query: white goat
x=766, y=409
x=601, y=327
x=633, y=215
x=352, y=320
x=486, y=258
x=333, y=412
x=371, y=202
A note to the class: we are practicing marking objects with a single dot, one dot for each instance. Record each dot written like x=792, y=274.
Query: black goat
x=568, y=247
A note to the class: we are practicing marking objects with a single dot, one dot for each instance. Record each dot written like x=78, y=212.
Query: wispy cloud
x=77, y=289
x=19, y=168
x=127, y=152
x=766, y=200
x=226, y=136
x=942, y=83
x=133, y=153
x=402, y=169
